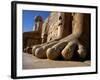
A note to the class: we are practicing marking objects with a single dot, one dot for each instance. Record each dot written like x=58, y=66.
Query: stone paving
x=32, y=62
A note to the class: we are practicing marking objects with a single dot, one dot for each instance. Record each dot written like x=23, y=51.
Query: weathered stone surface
x=31, y=38
x=68, y=51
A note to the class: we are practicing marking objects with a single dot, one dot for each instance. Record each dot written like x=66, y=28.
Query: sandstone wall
x=53, y=26
x=56, y=24
x=31, y=38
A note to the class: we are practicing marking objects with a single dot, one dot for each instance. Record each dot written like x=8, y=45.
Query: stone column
x=38, y=24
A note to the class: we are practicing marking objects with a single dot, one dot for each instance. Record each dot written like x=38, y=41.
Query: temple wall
x=56, y=25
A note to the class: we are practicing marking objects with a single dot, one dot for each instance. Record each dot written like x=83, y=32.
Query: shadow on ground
x=31, y=62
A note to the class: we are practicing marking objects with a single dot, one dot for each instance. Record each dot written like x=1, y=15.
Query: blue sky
x=28, y=18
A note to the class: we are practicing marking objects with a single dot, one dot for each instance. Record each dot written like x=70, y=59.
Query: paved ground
x=31, y=62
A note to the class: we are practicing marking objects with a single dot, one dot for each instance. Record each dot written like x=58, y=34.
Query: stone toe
x=40, y=53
